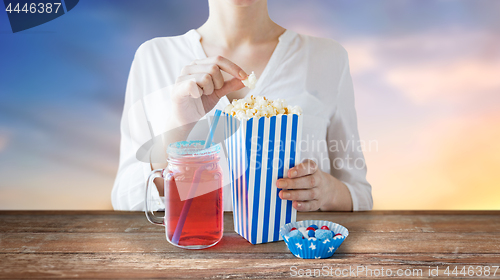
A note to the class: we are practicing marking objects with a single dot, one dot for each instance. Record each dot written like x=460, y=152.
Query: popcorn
x=295, y=110
x=228, y=109
x=241, y=115
x=251, y=112
x=250, y=81
x=260, y=106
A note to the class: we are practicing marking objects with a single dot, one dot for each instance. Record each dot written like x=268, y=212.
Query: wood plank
x=107, y=244
x=362, y=213
x=136, y=222
x=233, y=243
x=228, y=266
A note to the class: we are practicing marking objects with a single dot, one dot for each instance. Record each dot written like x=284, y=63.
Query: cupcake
x=313, y=239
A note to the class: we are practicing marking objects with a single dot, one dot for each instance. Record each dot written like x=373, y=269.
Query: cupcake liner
x=314, y=248
x=261, y=151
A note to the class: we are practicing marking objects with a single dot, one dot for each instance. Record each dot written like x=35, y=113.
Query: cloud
x=427, y=99
x=430, y=67
x=4, y=140
x=448, y=82
x=446, y=164
x=362, y=57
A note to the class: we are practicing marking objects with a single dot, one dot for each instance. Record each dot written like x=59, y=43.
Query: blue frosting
x=294, y=234
x=324, y=234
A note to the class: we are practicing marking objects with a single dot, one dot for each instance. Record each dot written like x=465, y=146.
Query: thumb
x=229, y=86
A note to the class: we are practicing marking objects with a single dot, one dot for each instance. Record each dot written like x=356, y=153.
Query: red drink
x=204, y=223
x=193, y=197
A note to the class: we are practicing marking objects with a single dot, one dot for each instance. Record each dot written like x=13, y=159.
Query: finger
x=226, y=65
x=229, y=86
x=188, y=87
x=311, y=205
x=301, y=195
x=204, y=82
x=308, y=166
x=305, y=182
x=211, y=69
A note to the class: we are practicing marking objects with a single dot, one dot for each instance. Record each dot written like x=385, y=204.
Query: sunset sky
x=426, y=78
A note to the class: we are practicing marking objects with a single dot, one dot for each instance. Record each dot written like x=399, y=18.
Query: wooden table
x=83, y=244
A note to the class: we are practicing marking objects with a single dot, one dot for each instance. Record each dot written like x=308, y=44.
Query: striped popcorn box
x=260, y=151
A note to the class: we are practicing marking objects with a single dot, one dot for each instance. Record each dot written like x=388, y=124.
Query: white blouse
x=307, y=71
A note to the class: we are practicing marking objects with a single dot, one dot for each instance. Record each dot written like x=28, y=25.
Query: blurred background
x=426, y=77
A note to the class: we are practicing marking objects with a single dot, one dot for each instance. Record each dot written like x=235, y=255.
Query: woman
x=176, y=81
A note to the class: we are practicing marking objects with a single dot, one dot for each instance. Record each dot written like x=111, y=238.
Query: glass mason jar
x=193, y=195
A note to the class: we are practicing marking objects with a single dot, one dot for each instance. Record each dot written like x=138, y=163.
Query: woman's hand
x=196, y=91
x=311, y=189
x=201, y=85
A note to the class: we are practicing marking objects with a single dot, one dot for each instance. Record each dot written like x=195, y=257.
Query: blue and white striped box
x=261, y=151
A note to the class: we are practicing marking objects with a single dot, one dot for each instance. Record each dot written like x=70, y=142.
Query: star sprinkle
x=313, y=247
x=299, y=245
x=330, y=249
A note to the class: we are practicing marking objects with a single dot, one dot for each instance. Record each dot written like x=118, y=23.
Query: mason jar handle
x=157, y=173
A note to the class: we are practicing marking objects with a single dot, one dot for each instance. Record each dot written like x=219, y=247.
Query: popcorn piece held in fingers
x=250, y=81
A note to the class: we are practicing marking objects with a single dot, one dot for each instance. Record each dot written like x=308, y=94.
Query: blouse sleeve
x=129, y=188
x=348, y=163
